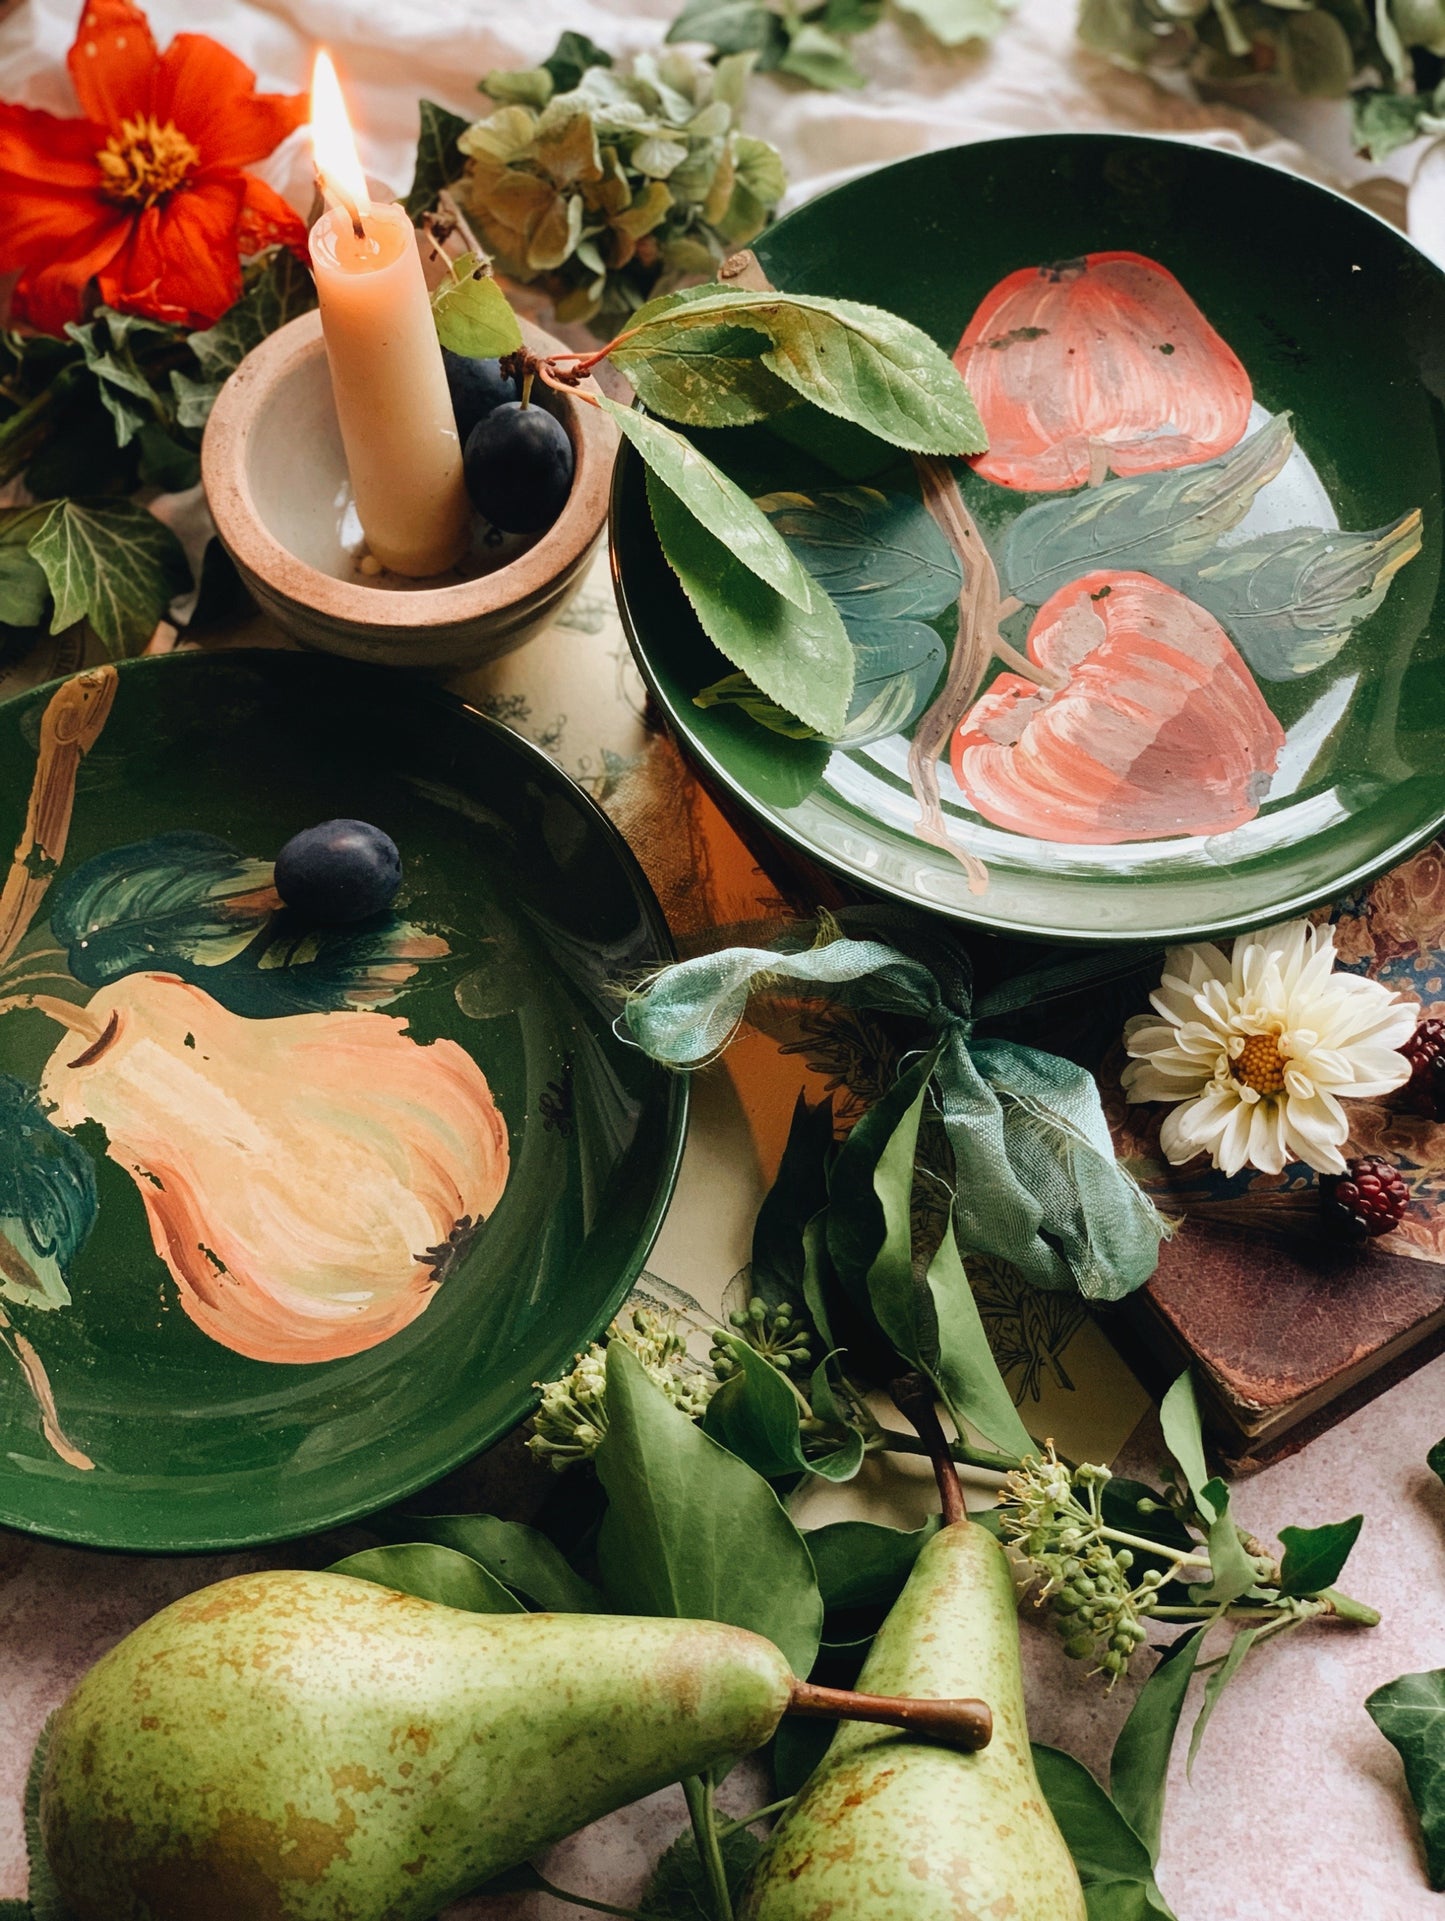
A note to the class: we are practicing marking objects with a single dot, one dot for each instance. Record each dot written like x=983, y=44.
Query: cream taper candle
x=392, y=400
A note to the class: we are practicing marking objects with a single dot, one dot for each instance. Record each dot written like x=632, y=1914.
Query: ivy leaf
x=718, y=503
x=518, y=1556
x=860, y=363
x=690, y=1530
x=820, y=58
x=1149, y=521
x=1139, y=1769
x=47, y=1200
x=113, y=564
x=180, y=896
x=754, y=1414
x=1291, y=600
x=277, y=290
x=1410, y=1713
x=24, y=590
x=438, y=160
x=862, y=1564
x=433, y=1574
x=803, y=661
x=954, y=22
x=733, y=26
x=109, y=343
x=574, y=55
x=1218, y=1680
x=473, y=316
x=1184, y=1438
x=1315, y=1556
x=1435, y=1460
x=679, y=1889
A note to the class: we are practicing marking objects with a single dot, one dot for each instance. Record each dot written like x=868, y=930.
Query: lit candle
x=392, y=400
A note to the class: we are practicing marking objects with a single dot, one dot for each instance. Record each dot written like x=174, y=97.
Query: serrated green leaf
x=473, y=316
x=1147, y=521
x=47, y=1200
x=438, y=159
x=679, y=1889
x=717, y=502
x=954, y=22
x=1314, y=1557
x=709, y=377
x=112, y=563
x=24, y=590
x=180, y=896
x=432, y=1574
x=857, y=362
x=803, y=661
x=1410, y=1713
x=516, y=1555
x=690, y=1530
x=277, y=290
x=1291, y=600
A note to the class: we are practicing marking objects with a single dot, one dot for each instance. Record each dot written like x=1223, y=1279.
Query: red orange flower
x=147, y=194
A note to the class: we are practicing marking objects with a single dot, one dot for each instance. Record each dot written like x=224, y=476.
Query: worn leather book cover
x=1291, y=1328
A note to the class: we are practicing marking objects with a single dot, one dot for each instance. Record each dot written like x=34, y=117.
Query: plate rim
x=960, y=917
x=677, y=1087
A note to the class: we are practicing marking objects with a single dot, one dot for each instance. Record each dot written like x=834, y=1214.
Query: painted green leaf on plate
x=881, y=556
x=802, y=661
x=47, y=1200
x=1148, y=521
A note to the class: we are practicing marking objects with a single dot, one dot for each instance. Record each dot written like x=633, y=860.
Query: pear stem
x=69, y=1014
x=961, y=1723
x=913, y=1397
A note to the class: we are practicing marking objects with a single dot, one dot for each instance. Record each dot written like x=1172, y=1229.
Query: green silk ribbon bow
x=1036, y=1180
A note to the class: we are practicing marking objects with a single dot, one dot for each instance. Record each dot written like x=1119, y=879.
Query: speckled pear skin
x=891, y=1828
x=308, y=1747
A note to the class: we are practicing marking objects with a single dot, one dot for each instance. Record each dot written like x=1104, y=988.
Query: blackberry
x=1369, y=1198
x=1425, y=1051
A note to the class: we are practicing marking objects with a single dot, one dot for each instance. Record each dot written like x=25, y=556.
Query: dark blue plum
x=343, y=870
x=518, y=463
x=477, y=387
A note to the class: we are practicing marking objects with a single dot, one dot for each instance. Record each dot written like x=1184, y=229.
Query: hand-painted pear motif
x=1154, y=726
x=1097, y=365
x=309, y=1180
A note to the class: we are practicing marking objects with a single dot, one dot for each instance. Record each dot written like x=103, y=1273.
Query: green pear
x=891, y=1828
x=309, y=1747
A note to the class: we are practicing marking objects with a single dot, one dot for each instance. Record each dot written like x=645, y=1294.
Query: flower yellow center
x=146, y=161
x=1260, y=1064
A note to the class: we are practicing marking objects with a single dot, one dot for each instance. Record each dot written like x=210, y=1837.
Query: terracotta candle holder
x=277, y=485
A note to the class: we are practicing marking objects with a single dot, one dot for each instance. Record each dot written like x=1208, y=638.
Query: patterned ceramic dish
x=1206, y=689
x=294, y=1216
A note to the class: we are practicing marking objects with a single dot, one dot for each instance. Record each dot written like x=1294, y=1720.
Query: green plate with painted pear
x=1198, y=568
x=292, y=1217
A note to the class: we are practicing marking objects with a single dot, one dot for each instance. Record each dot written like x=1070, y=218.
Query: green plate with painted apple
x=292, y=1216
x=1197, y=572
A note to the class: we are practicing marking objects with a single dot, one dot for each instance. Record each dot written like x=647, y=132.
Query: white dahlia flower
x=1255, y=1050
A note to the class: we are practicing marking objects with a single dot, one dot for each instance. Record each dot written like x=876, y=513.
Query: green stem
x=702, y=1812
x=1121, y=1539
x=1347, y=1609
x=727, y=1829
x=597, y=1907
x=895, y=1443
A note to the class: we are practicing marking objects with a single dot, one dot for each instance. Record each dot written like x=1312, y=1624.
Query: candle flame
x=333, y=142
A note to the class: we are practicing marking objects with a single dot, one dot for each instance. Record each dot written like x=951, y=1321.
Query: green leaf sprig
x=811, y=42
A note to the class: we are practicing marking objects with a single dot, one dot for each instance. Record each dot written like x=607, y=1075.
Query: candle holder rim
x=238, y=410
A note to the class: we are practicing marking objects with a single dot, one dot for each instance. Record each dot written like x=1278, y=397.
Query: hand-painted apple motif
x=1156, y=727
x=308, y=1179
x=1098, y=364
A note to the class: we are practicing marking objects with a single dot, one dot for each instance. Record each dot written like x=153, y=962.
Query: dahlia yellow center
x=146, y=161
x=1260, y=1065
